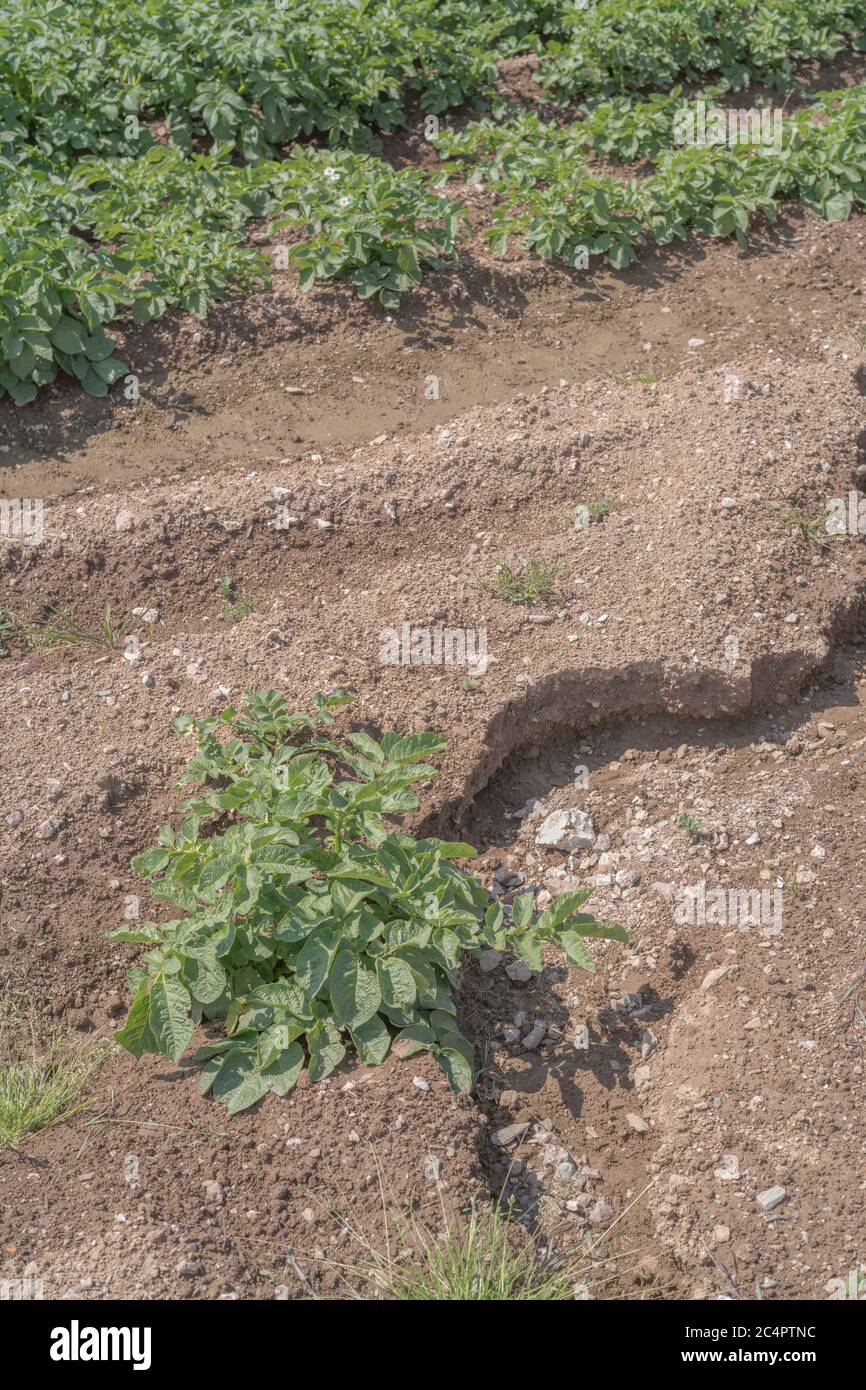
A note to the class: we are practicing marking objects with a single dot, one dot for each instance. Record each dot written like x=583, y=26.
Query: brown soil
x=765, y=1063
x=284, y=375
x=629, y=658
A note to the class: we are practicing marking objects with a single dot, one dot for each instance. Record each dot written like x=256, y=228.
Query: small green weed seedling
x=8, y=628
x=527, y=585
x=303, y=920
x=239, y=605
x=693, y=828
x=585, y=513
x=855, y=334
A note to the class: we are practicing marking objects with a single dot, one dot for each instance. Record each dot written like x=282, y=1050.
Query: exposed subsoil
x=669, y=657
x=719, y=1061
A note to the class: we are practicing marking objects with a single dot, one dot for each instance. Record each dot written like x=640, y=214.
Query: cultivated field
x=432, y=494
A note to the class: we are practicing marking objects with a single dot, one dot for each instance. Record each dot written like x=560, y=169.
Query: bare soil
x=691, y=645
x=283, y=375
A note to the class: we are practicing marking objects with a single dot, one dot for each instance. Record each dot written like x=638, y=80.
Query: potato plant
x=307, y=921
x=137, y=143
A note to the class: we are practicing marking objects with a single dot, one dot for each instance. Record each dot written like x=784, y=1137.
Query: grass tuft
x=806, y=527
x=527, y=585
x=490, y=1259
x=485, y=1263
x=55, y=628
x=43, y=1089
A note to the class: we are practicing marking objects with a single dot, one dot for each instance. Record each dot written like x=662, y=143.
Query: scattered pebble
x=509, y=1134
x=566, y=831
x=771, y=1197
x=601, y=1213
x=535, y=1036
x=713, y=976
x=488, y=960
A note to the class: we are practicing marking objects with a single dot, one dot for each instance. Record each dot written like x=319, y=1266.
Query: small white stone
x=771, y=1197
x=420, y=1083
x=729, y=1168
x=566, y=831
x=713, y=976
x=601, y=1213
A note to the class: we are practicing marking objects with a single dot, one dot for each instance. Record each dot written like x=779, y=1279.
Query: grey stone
x=535, y=1036
x=488, y=960
x=509, y=1134
x=771, y=1197
x=601, y=1213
